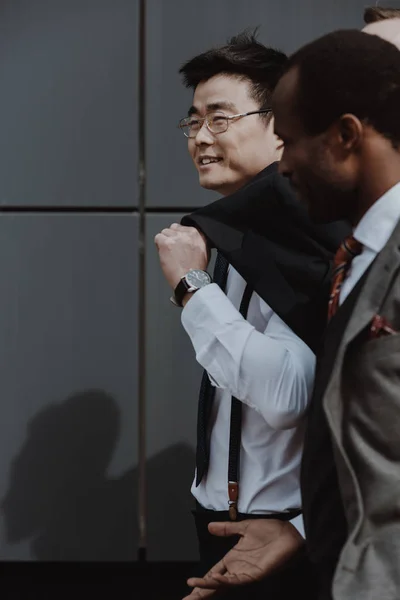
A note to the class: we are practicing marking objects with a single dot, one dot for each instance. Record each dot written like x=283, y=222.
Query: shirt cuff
x=206, y=313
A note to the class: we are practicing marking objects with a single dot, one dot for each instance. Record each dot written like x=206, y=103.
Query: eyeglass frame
x=227, y=117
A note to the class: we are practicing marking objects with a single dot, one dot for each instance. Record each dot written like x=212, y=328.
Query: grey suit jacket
x=362, y=405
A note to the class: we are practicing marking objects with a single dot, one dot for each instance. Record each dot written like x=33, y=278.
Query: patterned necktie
x=348, y=250
x=207, y=391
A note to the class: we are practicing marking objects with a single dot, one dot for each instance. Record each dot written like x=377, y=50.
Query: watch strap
x=180, y=291
x=183, y=287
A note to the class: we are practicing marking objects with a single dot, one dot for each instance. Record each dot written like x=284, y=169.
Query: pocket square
x=381, y=326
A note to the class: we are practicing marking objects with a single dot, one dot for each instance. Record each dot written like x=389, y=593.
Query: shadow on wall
x=61, y=497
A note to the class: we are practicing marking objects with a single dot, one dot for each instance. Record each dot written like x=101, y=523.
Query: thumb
x=226, y=529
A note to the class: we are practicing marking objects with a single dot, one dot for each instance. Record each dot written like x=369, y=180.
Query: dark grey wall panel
x=173, y=378
x=68, y=387
x=68, y=102
x=178, y=30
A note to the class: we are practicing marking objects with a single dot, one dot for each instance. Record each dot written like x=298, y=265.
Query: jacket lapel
x=375, y=287
x=367, y=306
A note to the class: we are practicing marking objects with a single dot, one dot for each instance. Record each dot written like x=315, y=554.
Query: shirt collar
x=378, y=223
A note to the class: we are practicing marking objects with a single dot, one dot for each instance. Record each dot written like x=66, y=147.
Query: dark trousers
x=291, y=581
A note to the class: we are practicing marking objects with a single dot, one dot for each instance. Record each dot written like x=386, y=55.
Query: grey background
x=69, y=280
x=68, y=73
x=68, y=373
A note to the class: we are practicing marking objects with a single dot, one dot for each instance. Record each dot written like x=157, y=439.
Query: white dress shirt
x=264, y=364
x=373, y=231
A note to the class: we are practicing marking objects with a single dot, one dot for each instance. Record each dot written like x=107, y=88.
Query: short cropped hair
x=373, y=14
x=244, y=57
x=353, y=72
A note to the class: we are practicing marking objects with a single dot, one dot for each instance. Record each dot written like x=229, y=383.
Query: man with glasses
x=254, y=325
x=337, y=110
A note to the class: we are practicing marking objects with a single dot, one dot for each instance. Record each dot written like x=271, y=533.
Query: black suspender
x=236, y=430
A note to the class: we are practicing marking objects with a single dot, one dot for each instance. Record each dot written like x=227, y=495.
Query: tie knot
x=347, y=251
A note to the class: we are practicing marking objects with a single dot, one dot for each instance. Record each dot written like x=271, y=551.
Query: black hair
x=243, y=57
x=373, y=14
x=349, y=71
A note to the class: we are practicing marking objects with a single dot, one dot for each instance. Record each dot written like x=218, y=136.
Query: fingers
x=226, y=529
x=177, y=227
x=165, y=233
x=176, y=231
x=217, y=581
x=218, y=570
x=168, y=232
x=172, y=231
x=210, y=584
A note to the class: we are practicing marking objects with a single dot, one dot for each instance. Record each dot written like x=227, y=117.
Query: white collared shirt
x=373, y=231
x=264, y=364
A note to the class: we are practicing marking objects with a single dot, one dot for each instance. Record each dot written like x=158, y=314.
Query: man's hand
x=181, y=249
x=265, y=545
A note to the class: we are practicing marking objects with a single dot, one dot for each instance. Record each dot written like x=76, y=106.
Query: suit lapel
x=368, y=304
x=375, y=288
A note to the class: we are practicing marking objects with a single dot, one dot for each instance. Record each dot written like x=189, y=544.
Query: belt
x=210, y=515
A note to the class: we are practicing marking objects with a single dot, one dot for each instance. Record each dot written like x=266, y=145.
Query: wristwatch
x=191, y=282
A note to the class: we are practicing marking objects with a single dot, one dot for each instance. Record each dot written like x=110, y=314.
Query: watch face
x=198, y=278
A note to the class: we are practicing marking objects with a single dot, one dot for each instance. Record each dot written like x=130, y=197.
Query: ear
x=350, y=132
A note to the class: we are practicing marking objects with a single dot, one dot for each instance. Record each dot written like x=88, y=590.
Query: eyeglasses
x=215, y=122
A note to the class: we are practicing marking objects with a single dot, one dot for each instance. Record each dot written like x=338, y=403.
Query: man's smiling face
x=227, y=161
